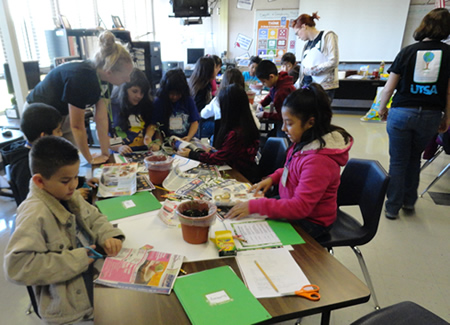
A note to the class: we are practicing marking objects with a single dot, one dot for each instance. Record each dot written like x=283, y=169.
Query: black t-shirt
x=74, y=83
x=424, y=70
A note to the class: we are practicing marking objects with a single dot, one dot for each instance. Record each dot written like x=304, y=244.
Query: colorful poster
x=274, y=37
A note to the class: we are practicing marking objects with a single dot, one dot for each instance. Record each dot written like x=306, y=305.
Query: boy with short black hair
x=54, y=225
x=280, y=85
x=249, y=76
x=37, y=120
x=289, y=65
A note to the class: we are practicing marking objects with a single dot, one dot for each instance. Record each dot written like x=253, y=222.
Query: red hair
x=305, y=19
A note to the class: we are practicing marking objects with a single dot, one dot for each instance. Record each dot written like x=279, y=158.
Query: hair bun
x=107, y=43
x=315, y=15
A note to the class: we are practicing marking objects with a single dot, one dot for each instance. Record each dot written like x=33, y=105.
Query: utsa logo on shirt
x=426, y=70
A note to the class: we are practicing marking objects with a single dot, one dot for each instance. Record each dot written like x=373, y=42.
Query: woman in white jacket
x=320, y=56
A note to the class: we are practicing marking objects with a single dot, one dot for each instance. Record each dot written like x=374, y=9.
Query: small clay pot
x=158, y=167
x=194, y=228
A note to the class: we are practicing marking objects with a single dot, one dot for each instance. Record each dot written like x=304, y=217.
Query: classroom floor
x=407, y=260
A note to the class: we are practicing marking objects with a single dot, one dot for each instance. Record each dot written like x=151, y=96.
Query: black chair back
x=364, y=183
x=273, y=155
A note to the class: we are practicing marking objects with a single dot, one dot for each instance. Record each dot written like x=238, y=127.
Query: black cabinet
x=356, y=94
x=147, y=57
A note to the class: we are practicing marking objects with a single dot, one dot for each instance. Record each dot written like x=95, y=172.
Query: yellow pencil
x=267, y=277
x=161, y=188
x=183, y=271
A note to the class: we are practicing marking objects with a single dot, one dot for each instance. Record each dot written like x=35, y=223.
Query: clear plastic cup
x=158, y=167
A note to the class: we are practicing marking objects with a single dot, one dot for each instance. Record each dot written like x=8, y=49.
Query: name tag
x=115, y=141
x=175, y=123
x=284, y=176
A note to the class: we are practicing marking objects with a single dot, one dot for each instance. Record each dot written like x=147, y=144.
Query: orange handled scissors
x=310, y=291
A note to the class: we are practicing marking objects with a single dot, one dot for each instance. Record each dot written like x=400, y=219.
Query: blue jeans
x=206, y=128
x=409, y=132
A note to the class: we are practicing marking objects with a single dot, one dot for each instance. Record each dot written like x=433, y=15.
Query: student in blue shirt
x=250, y=75
x=174, y=112
x=131, y=113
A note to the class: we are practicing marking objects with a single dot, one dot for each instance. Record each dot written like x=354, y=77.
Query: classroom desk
x=5, y=140
x=339, y=288
x=10, y=123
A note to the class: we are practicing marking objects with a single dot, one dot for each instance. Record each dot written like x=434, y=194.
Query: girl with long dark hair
x=131, y=113
x=175, y=112
x=238, y=137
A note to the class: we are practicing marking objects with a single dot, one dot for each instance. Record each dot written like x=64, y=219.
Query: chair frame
x=350, y=179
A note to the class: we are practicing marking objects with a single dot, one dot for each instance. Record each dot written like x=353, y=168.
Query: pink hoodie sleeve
x=313, y=179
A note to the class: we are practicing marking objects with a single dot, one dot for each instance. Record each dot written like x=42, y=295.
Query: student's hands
x=124, y=149
x=155, y=147
x=98, y=159
x=307, y=71
x=112, y=246
x=263, y=186
x=92, y=182
x=259, y=108
x=89, y=254
x=147, y=139
x=186, y=138
x=239, y=211
x=184, y=152
x=445, y=124
x=84, y=192
x=383, y=113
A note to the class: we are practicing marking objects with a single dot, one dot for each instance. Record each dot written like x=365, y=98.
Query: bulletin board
x=273, y=35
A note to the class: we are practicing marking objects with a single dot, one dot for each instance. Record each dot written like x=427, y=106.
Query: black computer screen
x=32, y=74
x=194, y=54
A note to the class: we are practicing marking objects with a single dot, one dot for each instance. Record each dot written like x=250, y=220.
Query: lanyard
x=107, y=104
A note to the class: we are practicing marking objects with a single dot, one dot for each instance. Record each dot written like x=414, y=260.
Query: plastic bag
x=372, y=114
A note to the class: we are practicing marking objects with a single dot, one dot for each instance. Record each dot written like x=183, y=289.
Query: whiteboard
x=415, y=16
x=368, y=30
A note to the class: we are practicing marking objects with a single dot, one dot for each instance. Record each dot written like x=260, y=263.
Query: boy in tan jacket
x=54, y=225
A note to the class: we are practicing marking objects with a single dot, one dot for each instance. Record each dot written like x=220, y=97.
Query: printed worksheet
x=278, y=265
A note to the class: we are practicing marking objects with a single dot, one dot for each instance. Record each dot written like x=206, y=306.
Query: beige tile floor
x=408, y=259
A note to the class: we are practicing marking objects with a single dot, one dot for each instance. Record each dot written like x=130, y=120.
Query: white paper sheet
x=312, y=59
x=280, y=267
x=148, y=228
x=255, y=232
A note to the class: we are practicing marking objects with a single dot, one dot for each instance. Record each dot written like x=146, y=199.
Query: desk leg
x=325, y=318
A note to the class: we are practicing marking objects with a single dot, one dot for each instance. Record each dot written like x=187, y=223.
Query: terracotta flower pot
x=195, y=227
x=158, y=167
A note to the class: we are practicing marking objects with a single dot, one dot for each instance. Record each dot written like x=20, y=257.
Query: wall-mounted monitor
x=32, y=73
x=194, y=54
x=190, y=8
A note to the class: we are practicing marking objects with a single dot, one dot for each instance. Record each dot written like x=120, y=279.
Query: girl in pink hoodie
x=309, y=181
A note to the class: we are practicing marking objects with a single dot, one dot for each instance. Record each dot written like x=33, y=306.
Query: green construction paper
x=114, y=209
x=242, y=309
x=285, y=232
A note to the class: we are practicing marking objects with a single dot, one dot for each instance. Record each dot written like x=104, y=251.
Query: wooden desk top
x=338, y=288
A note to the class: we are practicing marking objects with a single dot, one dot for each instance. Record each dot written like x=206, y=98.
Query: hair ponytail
x=313, y=102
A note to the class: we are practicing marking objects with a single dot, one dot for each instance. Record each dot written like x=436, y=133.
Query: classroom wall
x=176, y=38
x=243, y=21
